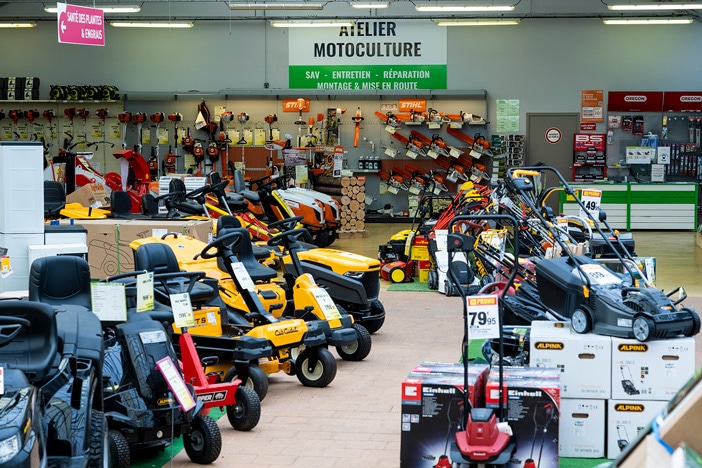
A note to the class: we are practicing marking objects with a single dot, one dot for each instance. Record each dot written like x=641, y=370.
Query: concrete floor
x=355, y=422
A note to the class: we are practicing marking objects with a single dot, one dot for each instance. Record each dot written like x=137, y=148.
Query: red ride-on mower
x=481, y=439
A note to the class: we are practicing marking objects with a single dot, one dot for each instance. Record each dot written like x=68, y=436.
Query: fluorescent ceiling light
x=379, y=4
x=655, y=6
x=17, y=25
x=630, y=21
x=477, y=22
x=275, y=6
x=123, y=24
x=105, y=9
x=458, y=6
x=311, y=24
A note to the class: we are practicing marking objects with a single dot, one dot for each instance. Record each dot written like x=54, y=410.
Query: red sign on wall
x=583, y=141
x=635, y=101
x=682, y=101
x=80, y=25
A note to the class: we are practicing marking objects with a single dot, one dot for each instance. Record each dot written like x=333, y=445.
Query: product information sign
x=483, y=317
x=80, y=25
x=368, y=55
x=592, y=105
x=591, y=199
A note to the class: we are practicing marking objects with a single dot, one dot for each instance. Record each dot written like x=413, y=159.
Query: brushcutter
x=270, y=119
x=357, y=119
x=124, y=118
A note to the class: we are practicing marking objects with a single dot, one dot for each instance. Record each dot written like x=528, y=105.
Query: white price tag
x=390, y=129
x=415, y=190
x=326, y=303
x=591, y=199
x=600, y=275
x=145, y=292
x=109, y=301
x=411, y=154
x=483, y=316
x=432, y=154
x=2, y=381
x=393, y=190
x=176, y=383
x=562, y=223
x=390, y=152
x=182, y=310
x=243, y=276
x=454, y=153
x=433, y=125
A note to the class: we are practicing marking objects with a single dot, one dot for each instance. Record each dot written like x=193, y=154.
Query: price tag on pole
x=483, y=317
x=145, y=292
x=182, y=310
x=591, y=199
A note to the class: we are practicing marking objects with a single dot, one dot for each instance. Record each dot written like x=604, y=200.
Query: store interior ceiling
x=355, y=10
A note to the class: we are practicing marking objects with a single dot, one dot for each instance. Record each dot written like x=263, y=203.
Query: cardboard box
x=432, y=406
x=90, y=196
x=108, y=240
x=532, y=398
x=582, y=359
x=582, y=424
x=626, y=419
x=655, y=370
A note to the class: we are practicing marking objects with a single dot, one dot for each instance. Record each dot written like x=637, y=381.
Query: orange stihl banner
x=295, y=105
x=417, y=105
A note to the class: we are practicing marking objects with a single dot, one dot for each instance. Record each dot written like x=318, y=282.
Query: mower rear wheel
x=246, y=412
x=360, y=349
x=695, y=323
x=203, y=443
x=581, y=321
x=257, y=380
x=322, y=373
x=643, y=328
x=322, y=239
x=120, y=456
x=433, y=280
x=374, y=325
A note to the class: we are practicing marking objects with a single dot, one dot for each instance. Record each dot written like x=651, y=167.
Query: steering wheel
x=231, y=240
x=280, y=238
x=198, y=191
x=10, y=327
x=286, y=223
x=221, y=185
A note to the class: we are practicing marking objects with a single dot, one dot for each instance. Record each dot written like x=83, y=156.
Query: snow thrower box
x=654, y=370
x=432, y=406
x=626, y=419
x=531, y=398
x=580, y=358
x=582, y=426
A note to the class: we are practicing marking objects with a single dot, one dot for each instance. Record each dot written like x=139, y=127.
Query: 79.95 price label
x=483, y=317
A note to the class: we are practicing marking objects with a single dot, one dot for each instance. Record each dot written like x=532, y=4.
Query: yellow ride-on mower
x=217, y=330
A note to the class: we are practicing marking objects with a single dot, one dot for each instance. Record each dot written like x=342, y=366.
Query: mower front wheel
x=120, y=456
x=246, y=412
x=360, y=349
x=257, y=380
x=581, y=321
x=315, y=367
x=203, y=443
x=374, y=325
x=643, y=328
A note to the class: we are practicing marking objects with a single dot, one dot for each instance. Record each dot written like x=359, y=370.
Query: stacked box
x=626, y=419
x=531, y=397
x=432, y=408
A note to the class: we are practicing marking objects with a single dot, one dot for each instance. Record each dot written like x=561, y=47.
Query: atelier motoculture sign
x=368, y=55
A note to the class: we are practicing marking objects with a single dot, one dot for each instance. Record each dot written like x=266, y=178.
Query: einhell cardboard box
x=532, y=401
x=432, y=407
x=108, y=240
x=626, y=419
x=90, y=196
x=654, y=370
x=582, y=425
x=582, y=359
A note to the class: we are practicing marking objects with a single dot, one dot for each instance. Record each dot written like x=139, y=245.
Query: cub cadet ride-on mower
x=217, y=330
x=301, y=298
x=579, y=289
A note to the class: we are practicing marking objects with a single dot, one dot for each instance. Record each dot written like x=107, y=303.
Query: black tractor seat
x=240, y=188
x=244, y=252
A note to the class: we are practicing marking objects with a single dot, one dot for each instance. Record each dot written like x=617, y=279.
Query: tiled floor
x=355, y=422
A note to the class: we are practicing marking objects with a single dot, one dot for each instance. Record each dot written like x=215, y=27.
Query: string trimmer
x=357, y=120
x=270, y=119
x=156, y=118
x=124, y=118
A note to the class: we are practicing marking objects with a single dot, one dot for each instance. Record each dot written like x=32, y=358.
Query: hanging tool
x=83, y=114
x=310, y=136
x=389, y=118
x=15, y=116
x=49, y=115
x=224, y=140
x=357, y=119
x=270, y=119
x=156, y=118
x=168, y=164
x=124, y=118
x=242, y=118
x=69, y=112
x=339, y=113
x=320, y=126
x=102, y=115
x=30, y=115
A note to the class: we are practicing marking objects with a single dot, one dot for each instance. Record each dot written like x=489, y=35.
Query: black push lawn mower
x=594, y=298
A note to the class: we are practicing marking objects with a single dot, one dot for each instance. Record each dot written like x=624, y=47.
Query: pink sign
x=80, y=25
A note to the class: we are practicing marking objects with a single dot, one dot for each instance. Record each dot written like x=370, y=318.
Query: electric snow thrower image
x=594, y=298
